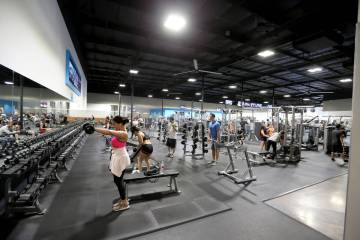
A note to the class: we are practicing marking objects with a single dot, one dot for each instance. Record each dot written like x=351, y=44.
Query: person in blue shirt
x=214, y=137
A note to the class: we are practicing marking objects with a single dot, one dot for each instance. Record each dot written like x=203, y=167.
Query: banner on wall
x=72, y=78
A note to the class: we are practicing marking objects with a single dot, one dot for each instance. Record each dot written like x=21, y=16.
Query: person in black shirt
x=337, y=141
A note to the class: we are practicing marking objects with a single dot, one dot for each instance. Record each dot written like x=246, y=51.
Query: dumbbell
x=88, y=128
x=134, y=149
x=194, y=146
x=195, y=140
x=183, y=142
x=183, y=137
x=206, y=151
x=205, y=145
x=205, y=139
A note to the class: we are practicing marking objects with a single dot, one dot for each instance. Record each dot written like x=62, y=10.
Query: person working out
x=263, y=136
x=171, y=139
x=214, y=137
x=119, y=158
x=145, y=151
x=272, y=142
x=337, y=141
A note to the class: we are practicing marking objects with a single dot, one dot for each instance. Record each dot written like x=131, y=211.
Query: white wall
x=33, y=42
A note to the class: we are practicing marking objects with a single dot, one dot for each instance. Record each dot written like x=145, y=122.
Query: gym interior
x=169, y=119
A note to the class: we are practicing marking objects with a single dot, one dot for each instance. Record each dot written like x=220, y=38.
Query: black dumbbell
x=183, y=142
x=134, y=149
x=195, y=140
x=183, y=137
x=206, y=151
x=88, y=128
x=205, y=145
x=205, y=139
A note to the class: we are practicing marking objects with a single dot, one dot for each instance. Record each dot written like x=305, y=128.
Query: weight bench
x=140, y=177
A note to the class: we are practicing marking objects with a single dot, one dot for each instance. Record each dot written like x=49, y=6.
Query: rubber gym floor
x=209, y=206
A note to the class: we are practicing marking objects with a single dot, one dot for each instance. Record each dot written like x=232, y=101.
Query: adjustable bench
x=140, y=177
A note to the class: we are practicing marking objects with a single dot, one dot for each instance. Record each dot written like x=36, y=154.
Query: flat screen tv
x=73, y=78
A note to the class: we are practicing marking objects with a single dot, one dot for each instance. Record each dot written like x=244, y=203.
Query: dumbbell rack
x=195, y=140
x=32, y=165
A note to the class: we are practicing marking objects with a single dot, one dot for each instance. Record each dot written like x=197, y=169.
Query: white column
x=352, y=215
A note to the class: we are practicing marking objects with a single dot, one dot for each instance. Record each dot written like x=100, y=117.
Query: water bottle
x=162, y=167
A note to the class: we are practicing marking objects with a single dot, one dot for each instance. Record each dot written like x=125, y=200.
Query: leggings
x=273, y=145
x=119, y=182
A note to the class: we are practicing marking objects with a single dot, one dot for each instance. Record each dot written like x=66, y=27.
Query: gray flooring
x=90, y=186
x=320, y=206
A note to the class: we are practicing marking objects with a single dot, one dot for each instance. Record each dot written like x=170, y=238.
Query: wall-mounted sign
x=72, y=78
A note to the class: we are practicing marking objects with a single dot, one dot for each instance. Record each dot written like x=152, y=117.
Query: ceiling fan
x=197, y=70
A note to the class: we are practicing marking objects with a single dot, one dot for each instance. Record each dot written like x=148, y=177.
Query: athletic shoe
x=214, y=163
x=123, y=205
x=135, y=171
x=169, y=155
x=211, y=162
x=117, y=204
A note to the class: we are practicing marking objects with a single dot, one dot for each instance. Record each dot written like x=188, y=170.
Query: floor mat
x=320, y=206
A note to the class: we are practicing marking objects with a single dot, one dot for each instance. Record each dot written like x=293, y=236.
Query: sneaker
x=123, y=205
x=168, y=155
x=171, y=156
x=117, y=204
x=213, y=163
x=135, y=171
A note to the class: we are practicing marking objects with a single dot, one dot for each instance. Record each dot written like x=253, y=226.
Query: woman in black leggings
x=119, y=158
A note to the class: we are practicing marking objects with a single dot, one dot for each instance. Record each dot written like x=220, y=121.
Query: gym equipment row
x=29, y=165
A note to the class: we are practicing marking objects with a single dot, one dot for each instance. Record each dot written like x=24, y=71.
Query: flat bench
x=139, y=177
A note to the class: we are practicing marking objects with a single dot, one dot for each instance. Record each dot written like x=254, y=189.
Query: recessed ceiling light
x=177, y=98
x=224, y=97
x=198, y=93
x=232, y=86
x=150, y=96
x=306, y=99
x=221, y=102
x=266, y=102
x=133, y=71
x=122, y=85
x=165, y=90
x=116, y=92
x=175, y=22
x=200, y=100
x=247, y=99
x=345, y=80
x=266, y=53
x=192, y=80
x=263, y=91
x=287, y=96
x=314, y=70
x=8, y=83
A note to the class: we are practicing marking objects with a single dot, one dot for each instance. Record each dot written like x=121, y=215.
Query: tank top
x=146, y=137
x=115, y=143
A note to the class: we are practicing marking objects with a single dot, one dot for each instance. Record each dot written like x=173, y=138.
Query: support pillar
x=352, y=213
x=21, y=102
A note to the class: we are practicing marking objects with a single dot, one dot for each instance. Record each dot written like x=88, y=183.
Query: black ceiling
x=112, y=36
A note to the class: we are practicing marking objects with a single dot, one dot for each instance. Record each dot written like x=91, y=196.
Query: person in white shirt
x=272, y=141
x=171, y=139
x=5, y=130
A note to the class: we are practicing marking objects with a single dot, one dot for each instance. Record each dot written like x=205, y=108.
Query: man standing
x=214, y=137
x=337, y=142
x=171, y=139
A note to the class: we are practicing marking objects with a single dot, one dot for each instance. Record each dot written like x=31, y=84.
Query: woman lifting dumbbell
x=119, y=156
x=146, y=148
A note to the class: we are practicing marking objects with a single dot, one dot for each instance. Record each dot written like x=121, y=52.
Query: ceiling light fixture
x=177, y=98
x=266, y=53
x=122, y=85
x=8, y=83
x=224, y=97
x=200, y=100
x=232, y=86
x=165, y=90
x=198, y=93
x=266, y=102
x=221, y=102
x=345, y=80
x=150, y=96
x=315, y=70
x=116, y=92
x=287, y=96
x=247, y=99
x=133, y=71
x=263, y=91
x=175, y=22
x=192, y=80
x=306, y=99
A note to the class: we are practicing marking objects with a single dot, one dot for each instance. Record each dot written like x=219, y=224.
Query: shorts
x=171, y=143
x=215, y=145
x=263, y=139
x=337, y=148
x=147, y=149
